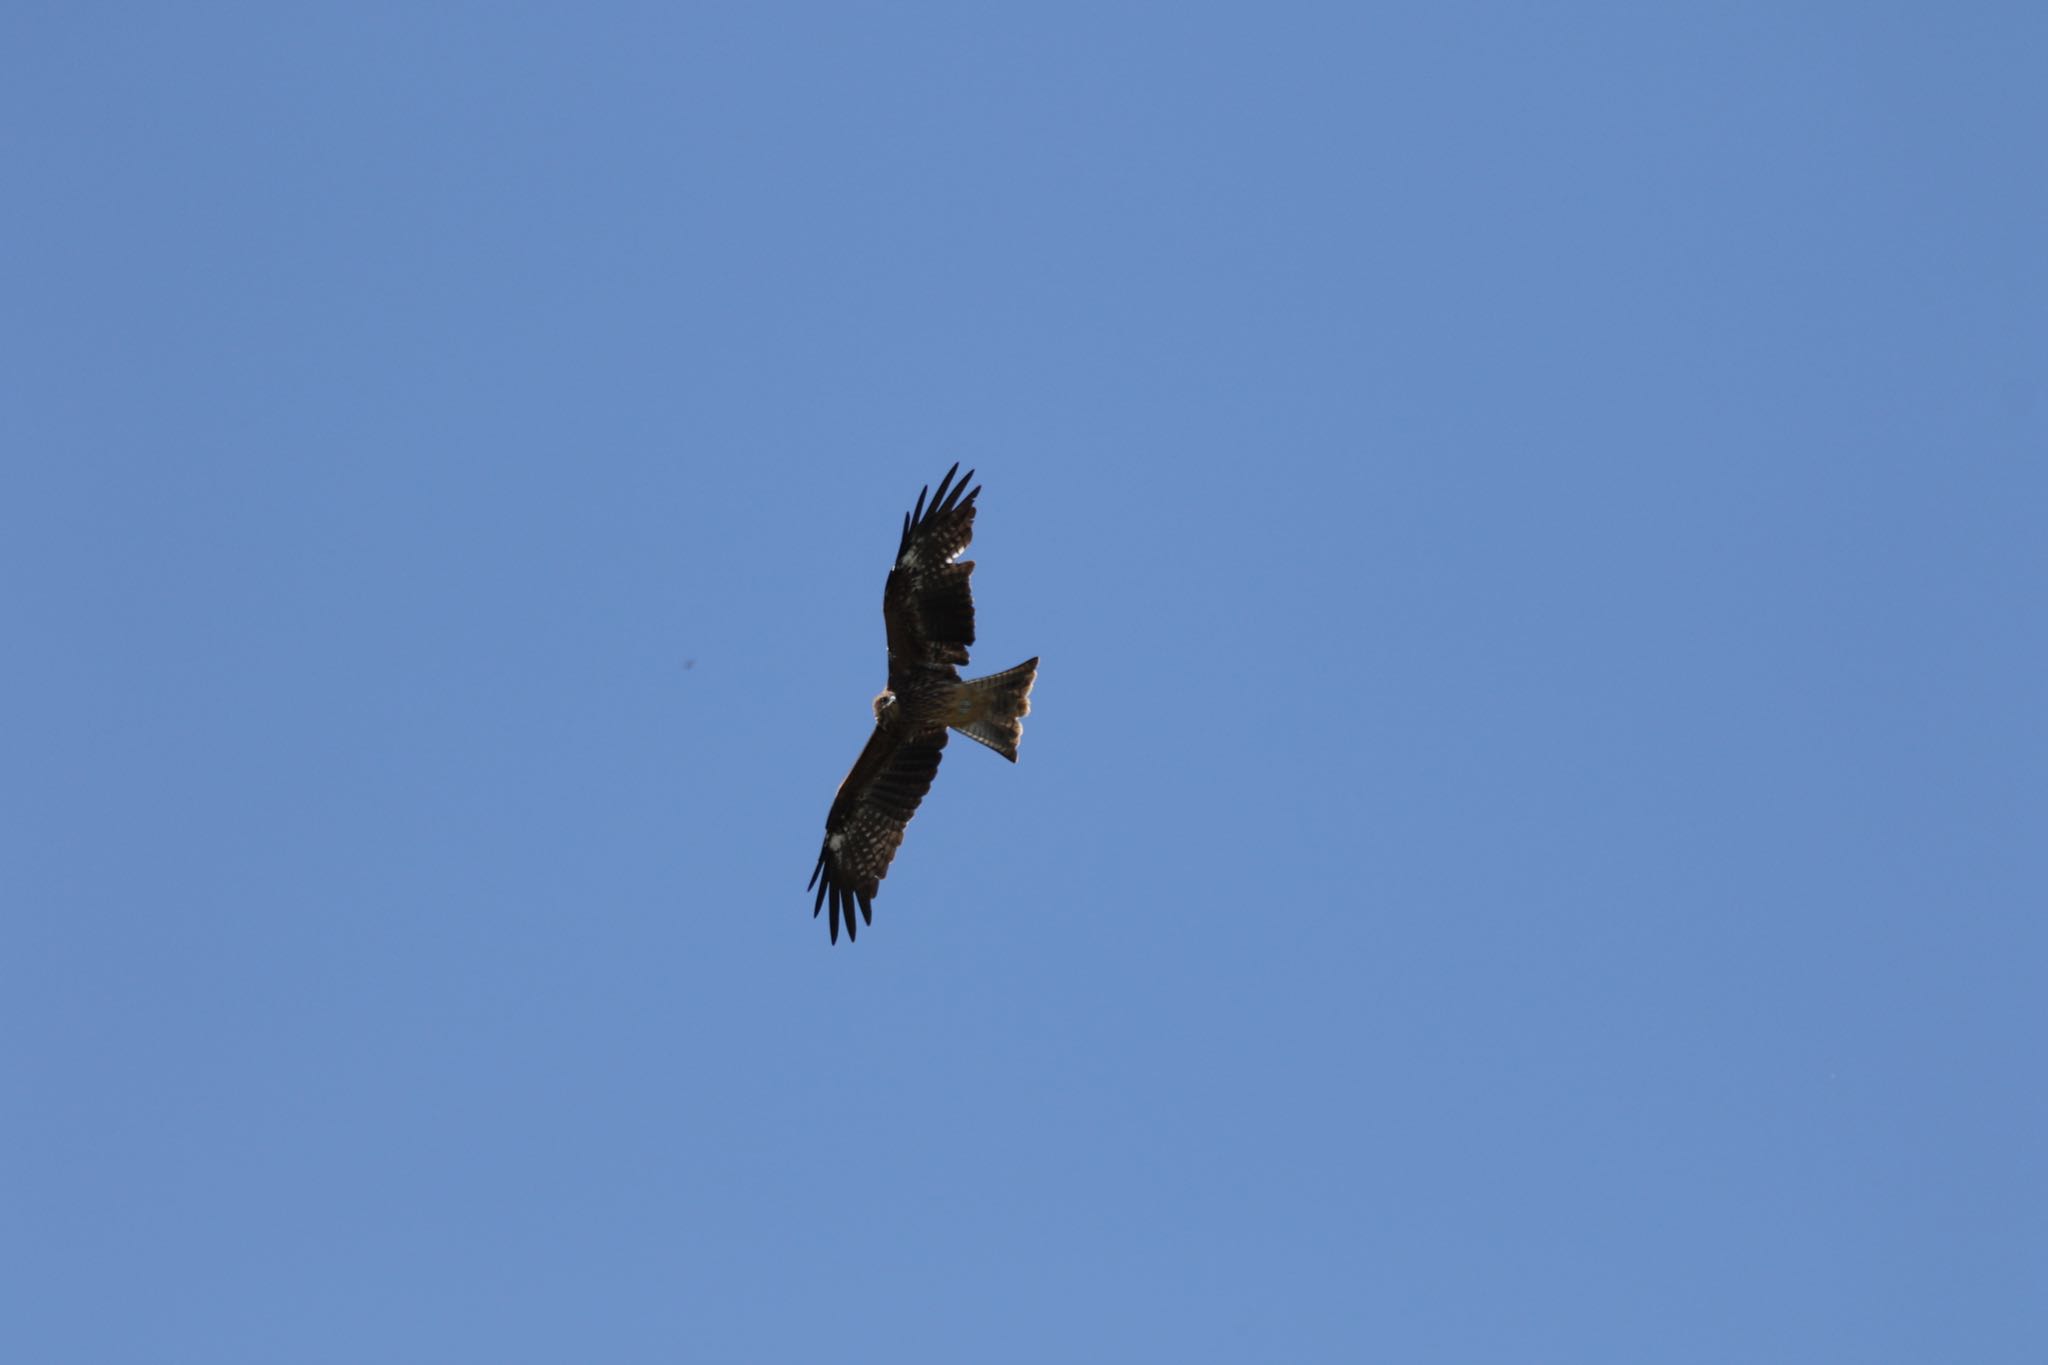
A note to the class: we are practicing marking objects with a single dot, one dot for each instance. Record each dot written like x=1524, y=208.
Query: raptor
x=928, y=609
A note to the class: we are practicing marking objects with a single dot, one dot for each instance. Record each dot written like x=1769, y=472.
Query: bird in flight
x=929, y=611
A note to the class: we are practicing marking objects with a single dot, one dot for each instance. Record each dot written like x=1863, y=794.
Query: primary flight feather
x=928, y=609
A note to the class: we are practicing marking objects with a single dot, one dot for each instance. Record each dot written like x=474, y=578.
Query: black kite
x=929, y=611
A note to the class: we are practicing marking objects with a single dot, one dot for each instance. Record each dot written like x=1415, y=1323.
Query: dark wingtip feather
x=954, y=501
x=939, y=503
x=952, y=493
x=867, y=906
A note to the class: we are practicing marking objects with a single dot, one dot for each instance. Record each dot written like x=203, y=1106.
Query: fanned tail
x=991, y=710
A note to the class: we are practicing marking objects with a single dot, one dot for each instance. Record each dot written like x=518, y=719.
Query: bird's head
x=885, y=703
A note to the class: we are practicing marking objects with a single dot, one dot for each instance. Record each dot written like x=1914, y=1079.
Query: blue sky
x=1529, y=842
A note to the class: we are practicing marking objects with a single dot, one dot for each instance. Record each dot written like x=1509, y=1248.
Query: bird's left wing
x=927, y=603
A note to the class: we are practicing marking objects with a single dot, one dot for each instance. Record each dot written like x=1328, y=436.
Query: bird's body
x=922, y=699
x=929, y=611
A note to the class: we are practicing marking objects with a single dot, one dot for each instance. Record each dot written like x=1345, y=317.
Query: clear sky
x=1530, y=842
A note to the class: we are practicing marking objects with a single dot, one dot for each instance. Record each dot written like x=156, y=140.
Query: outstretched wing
x=866, y=822
x=927, y=604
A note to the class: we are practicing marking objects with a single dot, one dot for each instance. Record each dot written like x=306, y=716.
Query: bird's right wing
x=865, y=826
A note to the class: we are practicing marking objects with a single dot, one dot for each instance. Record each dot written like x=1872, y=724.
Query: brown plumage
x=928, y=609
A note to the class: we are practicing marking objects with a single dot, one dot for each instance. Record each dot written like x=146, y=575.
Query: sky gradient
x=1529, y=843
